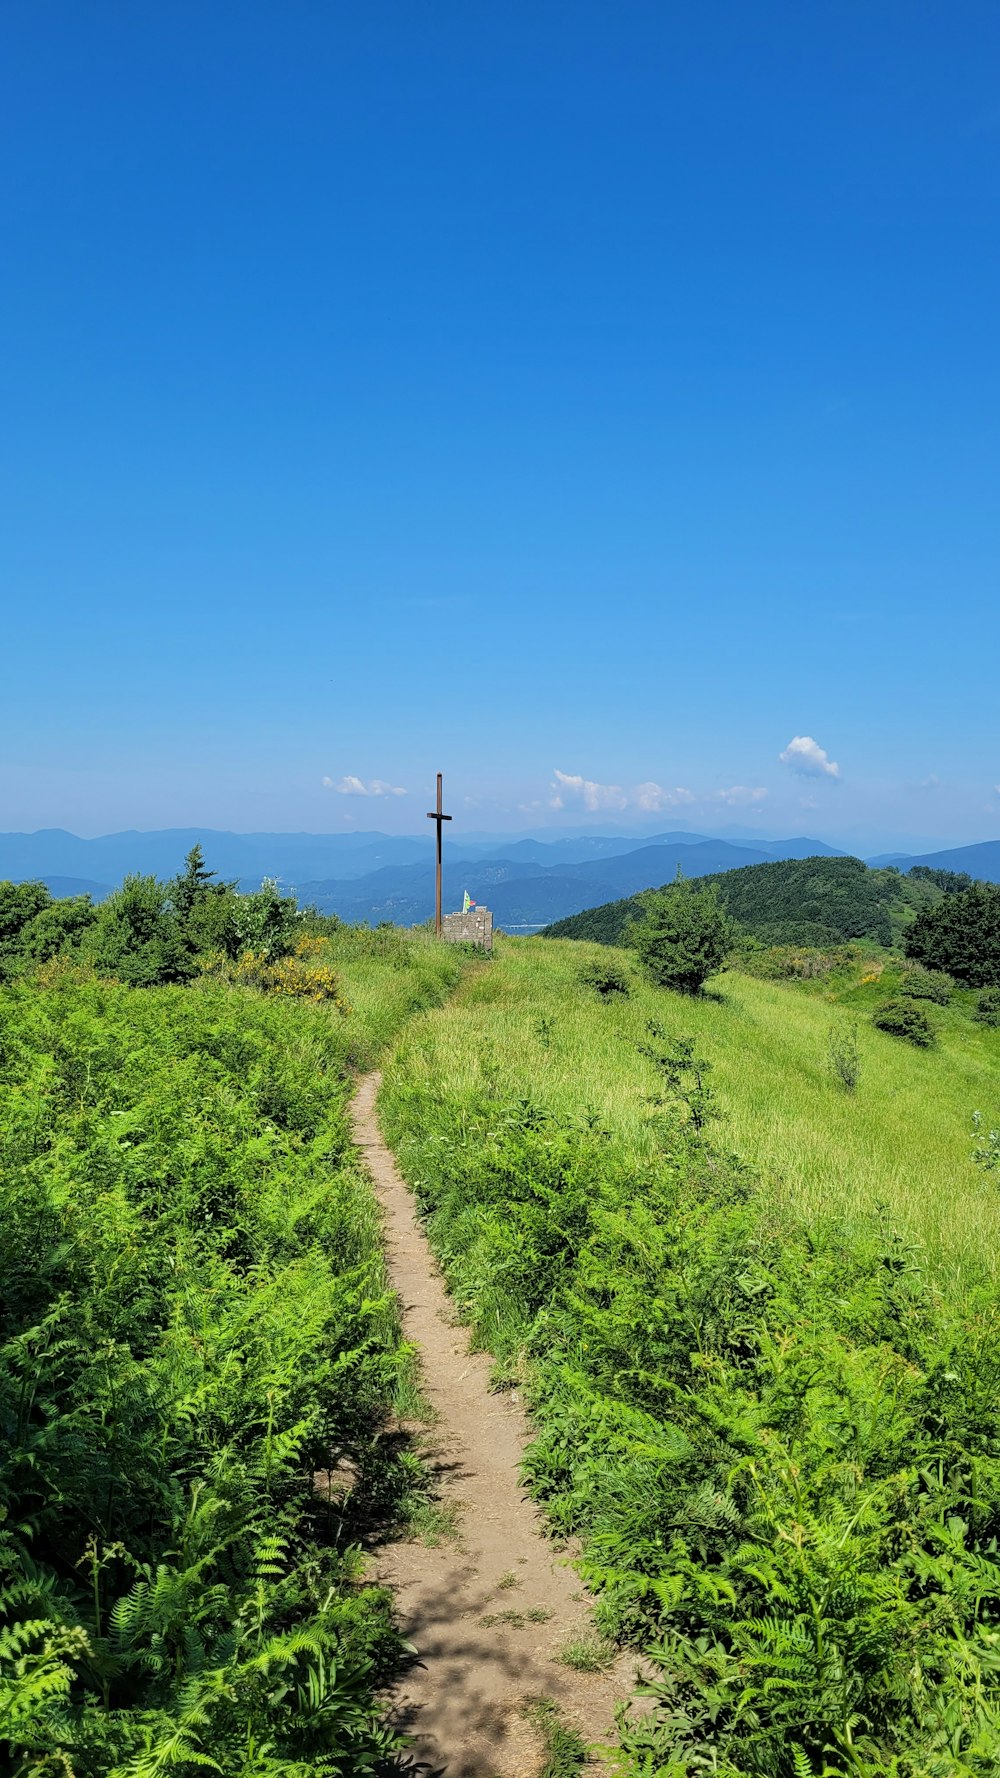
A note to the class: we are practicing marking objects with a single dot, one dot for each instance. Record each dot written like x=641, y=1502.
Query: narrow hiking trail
x=465, y=1704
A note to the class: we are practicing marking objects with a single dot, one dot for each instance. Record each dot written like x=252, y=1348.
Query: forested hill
x=811, y=901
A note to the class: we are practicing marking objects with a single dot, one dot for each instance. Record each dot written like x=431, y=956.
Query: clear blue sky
x=500, y=388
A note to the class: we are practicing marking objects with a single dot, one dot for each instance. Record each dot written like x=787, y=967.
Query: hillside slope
x=758, y=1331
x=812, y=901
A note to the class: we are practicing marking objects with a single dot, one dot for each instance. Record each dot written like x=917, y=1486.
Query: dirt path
x=465, y=1704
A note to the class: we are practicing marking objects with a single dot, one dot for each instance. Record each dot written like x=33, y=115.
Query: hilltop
x=808, y=901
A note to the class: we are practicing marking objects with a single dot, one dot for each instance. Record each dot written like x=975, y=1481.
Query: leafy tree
x=137, y=936
x=950, y=882
x=59, y=927
x=683, y=936
x=960, y=934
x=19, y=904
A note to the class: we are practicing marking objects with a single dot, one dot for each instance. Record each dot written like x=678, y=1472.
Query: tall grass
x=901, y=1144
x=769, y=1411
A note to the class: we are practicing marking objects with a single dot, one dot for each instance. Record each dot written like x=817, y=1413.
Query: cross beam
x=438, y=816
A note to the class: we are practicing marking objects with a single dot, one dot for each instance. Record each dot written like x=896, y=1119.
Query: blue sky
x=510, y=390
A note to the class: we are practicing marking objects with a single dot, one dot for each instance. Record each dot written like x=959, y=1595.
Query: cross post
x=438, y=816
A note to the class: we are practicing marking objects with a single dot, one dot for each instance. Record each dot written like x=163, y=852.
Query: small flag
x=467, y=903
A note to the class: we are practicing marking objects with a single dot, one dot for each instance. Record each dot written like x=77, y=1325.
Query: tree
x=137, y=937
x=961, y=935
x=683, y=936
x=205, y=908
x=19, y=904
x=57, y=928
x=191, y=884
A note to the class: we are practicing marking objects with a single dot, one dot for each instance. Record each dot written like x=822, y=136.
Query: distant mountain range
x=527, y=882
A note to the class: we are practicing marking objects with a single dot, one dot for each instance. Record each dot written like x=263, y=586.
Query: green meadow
x=755, y=1316
x=900, y=1144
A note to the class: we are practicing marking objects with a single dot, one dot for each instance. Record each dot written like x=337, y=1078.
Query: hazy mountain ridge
x=528, y=881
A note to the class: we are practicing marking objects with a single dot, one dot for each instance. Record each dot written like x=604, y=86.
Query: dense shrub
x=988, y=1007
x=193, y=1323
x=606, y=977
x=779, y=963
x=927, y=984
x=901, y=1017
x=137, y=937
x=303, y=976
x=683, y=936
x=960, y=934
x=35, y=927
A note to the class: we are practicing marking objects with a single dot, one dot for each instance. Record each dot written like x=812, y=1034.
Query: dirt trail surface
x=465, y=1704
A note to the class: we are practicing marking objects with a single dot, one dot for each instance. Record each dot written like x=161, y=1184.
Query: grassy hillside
x=810, y=901
x=758, y=1331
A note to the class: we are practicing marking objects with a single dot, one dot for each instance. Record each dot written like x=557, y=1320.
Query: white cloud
x=738, y=796
x=805, y=755
x=591, y=794
x=571, y=787
x=351, y=786
x=653, y=796
x=931, y=783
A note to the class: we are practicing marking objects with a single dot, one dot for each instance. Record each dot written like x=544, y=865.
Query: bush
x=960, y=933
x=683, y=936
x=782, y=963
x=903, y=1018
x=927, y=984
x=988, y=1007
x=137, y=938
x=300, y=977
x=605, y=976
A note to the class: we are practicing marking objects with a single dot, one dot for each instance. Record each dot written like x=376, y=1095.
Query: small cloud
x=805, y=755
x=351, y=786
x=654, y=796
x=595, y=796
x=930, y=783
x=738, y=796
x=591, y=794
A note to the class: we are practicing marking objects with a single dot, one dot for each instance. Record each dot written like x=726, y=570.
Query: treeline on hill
x=198, y=1350
x=807, y=901
x=772, y=1427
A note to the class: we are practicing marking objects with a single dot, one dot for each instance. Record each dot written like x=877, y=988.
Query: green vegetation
x=804, y=902
x=739, y=1247
x=199, y=1355
x=988, y=1007
x=765, y=1395
x=682, y=935
x=961, y=934
x=565, y=1750
x=902, y=1017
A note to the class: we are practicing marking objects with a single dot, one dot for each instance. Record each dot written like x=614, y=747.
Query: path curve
x=465, y=1704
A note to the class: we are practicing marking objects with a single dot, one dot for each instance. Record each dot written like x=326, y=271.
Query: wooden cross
x=436, y=815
